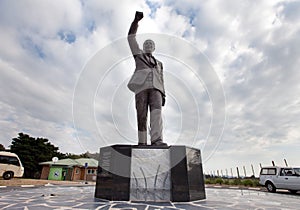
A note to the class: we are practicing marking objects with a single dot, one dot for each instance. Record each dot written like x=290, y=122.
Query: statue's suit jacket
x=143, y=66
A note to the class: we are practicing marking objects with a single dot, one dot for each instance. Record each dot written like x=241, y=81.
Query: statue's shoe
x=159, y=143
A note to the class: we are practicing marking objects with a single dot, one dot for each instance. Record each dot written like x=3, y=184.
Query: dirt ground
x=19, y=182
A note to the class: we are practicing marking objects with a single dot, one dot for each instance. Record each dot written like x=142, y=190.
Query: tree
x=2, y=148
x=32, y=151
x=74, y=156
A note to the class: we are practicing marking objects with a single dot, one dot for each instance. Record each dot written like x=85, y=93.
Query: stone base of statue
x=146, y=173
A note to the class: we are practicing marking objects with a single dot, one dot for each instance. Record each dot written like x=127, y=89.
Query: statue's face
x=149, y=46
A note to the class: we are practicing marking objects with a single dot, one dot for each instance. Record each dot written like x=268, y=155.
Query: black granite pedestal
x=147, y=173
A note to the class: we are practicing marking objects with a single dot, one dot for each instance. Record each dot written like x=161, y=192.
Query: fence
x=237, y=172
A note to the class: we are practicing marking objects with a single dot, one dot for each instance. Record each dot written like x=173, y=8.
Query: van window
x=297, y=171
x=9, y=160
x=268, y=171
x=286, y=172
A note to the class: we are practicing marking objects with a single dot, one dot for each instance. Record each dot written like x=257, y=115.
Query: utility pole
x=238, y=173
x=285, y=162
x=252, y=170
x=245, y=171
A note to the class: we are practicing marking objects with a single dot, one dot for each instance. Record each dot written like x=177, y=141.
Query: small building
x=70, y=169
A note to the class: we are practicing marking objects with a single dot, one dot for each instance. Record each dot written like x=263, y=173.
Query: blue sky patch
x=67, y=36
x=34, y=48
x=91, y=26
x=153, y=7
x=191, y=14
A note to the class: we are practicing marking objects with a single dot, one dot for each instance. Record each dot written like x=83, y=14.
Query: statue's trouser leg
x=153, y=98
x=156, y=124
x=141, y=104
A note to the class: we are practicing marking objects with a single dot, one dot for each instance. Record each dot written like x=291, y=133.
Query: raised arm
x=132, y=33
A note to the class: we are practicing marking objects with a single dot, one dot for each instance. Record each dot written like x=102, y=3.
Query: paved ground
x=82, y=197
x=36, y=182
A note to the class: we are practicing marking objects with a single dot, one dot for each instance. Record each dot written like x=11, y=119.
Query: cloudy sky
x=230, y=67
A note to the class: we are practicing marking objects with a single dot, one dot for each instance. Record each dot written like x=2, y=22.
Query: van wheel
x=8, y=175
x=270, y=187
x=293, y=191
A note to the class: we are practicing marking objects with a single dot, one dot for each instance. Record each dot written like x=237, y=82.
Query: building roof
x=73, y=162
x=90, y=161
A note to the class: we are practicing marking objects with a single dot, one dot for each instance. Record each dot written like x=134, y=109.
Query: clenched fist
x=138, y=16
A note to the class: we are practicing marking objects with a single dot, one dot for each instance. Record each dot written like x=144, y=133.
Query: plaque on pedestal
x=148, y=173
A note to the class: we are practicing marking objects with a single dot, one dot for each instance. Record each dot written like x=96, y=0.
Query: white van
x=274, y=177
x=10, y=165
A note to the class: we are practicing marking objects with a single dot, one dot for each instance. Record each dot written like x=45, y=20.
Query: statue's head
x=149, y=46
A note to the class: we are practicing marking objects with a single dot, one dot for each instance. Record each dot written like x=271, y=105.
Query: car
x=275, y=177
x=10, y=165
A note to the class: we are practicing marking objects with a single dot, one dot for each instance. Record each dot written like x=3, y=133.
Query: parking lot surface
x=82, y=197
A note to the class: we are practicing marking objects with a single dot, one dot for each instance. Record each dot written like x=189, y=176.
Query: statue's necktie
x=151, y=60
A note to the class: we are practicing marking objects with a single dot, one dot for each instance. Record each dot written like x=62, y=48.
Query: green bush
x=208, y=181
x=247, y=182
x=255, y=182
x=227, y=182
x=219, y=181
x=236, y=182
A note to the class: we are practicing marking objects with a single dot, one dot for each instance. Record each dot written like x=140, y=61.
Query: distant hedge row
x=244, y=182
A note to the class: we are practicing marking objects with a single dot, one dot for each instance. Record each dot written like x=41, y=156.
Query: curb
x=46, y=185
x=29, y=185
x=234, y=187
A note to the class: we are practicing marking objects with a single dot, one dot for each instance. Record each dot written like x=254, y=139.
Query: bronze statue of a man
x=148, y=85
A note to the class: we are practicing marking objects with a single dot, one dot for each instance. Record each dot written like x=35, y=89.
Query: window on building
x=77, y=171
x=91, y=171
